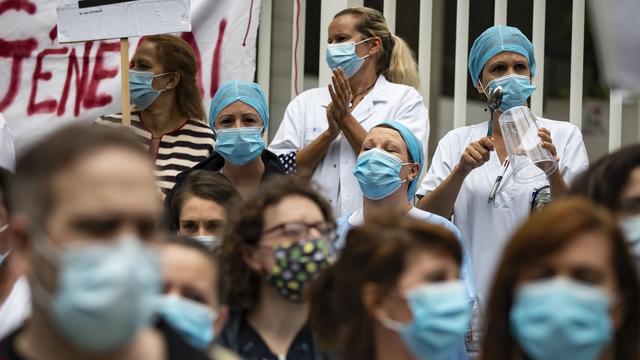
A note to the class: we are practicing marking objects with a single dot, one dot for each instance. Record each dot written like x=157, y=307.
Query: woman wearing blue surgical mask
x=192, y=301
x=614, y=182
x=274, y=246
x=394, y=293
x=470, y=177
x=167, y=115
x=565, y=289
x=373, y=79
x=387, y=170
x=239, y=116
x=198, y=206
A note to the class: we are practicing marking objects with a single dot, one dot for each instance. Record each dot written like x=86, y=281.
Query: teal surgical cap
x=495, y=40
x=231, y=91
x=415, y=150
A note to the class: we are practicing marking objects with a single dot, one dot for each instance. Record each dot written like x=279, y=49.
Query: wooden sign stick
x=125, y=102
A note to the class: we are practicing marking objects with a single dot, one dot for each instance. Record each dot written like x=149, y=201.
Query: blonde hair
x=396, y=61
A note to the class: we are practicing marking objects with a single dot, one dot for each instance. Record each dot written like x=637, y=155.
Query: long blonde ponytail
x=403, y=68
x=396, y=61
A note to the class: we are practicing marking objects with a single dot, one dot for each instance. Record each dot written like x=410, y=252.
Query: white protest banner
x=47, y=84
x=83, y=20
x=87, y=20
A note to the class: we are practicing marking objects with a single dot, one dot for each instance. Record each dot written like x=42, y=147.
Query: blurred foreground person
x=15, y=297
x=565, y=289
x=614, y=182
x=85, y=219
x=275, y=244
x=394, y=293
x=192, y=300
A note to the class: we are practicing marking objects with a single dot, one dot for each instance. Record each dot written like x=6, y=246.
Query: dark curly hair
x=244, y=230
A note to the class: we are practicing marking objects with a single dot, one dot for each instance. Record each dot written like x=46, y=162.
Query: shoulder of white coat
x=319, y=95
x=465, y=134
x=405, y=92
x=435, y=219
x=558, y=127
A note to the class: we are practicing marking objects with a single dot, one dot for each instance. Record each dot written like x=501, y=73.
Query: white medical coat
x=486, y=227
x=306, y=118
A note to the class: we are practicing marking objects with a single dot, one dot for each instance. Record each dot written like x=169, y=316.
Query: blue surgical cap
x=495, y=40
x=415, y=150
x=231, y=91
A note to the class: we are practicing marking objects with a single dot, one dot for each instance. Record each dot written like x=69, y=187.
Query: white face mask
x=631, y=229
x=211, y=242
x=4, y=256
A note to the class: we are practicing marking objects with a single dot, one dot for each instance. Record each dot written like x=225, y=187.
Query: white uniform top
x=7, y=148
x=16, y=307
x=348, y=222
x=306, y=118
x=486, y=227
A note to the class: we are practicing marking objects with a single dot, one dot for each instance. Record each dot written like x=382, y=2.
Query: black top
x=239, y=336
x=177, y=348
x=215, y=162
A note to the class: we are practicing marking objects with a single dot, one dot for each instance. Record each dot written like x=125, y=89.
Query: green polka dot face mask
x=297, y=264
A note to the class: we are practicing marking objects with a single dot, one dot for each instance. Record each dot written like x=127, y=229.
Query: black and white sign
x=87, y=20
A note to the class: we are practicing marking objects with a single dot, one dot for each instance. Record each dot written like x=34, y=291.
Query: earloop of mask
x=360, y=42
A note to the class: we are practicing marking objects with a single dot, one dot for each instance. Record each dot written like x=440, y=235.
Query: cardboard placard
x=85, y=20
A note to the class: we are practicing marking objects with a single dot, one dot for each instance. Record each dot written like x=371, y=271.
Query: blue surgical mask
x=561, y=319
x=441, y=315
x=103, y=294
x=343, y=55
x=631, y=228
x=141, y=88
x=240, y=146
x=193, y=321
x=378, y=173
x=516, y=89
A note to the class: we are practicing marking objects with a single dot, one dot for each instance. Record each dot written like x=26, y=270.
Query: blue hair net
x=497, y=39
x=415, y=150
x=231, y=91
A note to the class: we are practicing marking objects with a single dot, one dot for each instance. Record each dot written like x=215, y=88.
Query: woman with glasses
x=274, y=245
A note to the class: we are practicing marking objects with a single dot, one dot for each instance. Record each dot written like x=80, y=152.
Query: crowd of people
x=182, y=238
